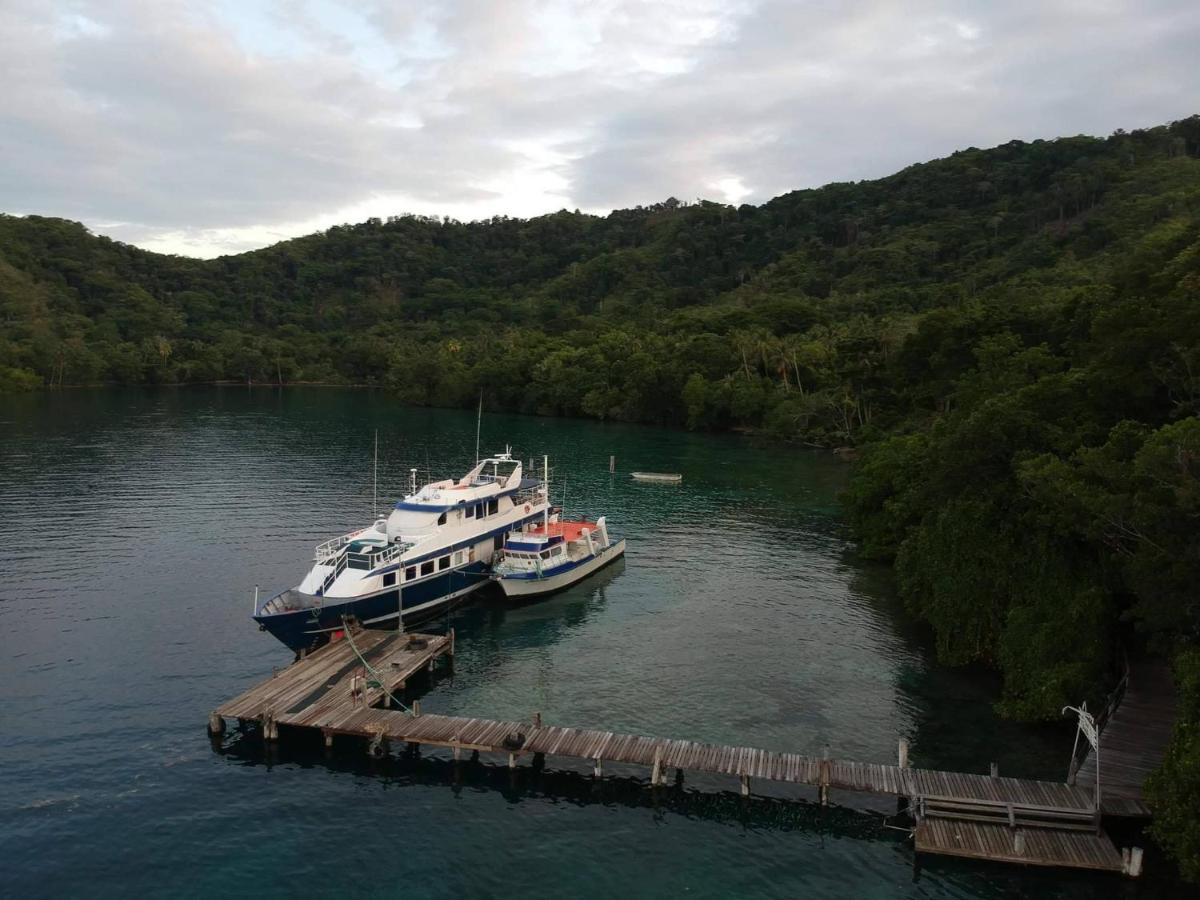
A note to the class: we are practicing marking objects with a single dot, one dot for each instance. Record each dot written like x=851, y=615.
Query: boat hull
x=517, y=587
x=310, y=625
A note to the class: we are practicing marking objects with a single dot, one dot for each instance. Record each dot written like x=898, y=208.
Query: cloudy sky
x=212, y=127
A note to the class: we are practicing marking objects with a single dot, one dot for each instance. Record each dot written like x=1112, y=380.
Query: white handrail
x=331, y=547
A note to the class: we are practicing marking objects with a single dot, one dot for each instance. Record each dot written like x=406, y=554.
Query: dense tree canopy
x=1012, y=336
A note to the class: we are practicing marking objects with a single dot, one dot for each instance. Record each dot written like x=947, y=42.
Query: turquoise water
x=135, y=524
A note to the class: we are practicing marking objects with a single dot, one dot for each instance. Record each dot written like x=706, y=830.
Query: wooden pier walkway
x=1134, y=733
x=334, y=678
x=961, y=814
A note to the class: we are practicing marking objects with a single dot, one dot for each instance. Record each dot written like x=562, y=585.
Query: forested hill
x=1012, y=336
x=820, y=315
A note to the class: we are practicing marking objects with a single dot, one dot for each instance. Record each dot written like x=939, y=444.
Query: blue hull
x=306, y=629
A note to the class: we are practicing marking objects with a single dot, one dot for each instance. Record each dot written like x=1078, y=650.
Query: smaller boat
x=661, y=477
x=553, y=556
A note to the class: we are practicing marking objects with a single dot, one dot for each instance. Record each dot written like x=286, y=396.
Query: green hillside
x=1011, y=336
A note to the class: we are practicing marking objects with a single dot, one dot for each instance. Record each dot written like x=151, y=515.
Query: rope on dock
x=370, y=668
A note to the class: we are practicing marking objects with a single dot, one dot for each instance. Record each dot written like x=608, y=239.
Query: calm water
x=134, y=526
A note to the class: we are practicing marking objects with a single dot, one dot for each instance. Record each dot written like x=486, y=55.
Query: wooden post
x=745, y=785
x=329, y=740
x=1019, y=843
x=1135, y=862
x=823, y=788
x=512, y=760
x=995, y=770
x=537, y=720
x=216, y=725
x=416, y=708
x=656, y=772
x=457, y=751
x=612, y=464
x=598, y=767
x=902, y=754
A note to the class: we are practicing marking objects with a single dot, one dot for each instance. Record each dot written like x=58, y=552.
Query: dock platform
x=997, y=842
x=338, y=676
x=1133, y=738
x=348, y=688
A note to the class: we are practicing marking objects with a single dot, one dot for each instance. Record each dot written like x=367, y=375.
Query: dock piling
x=823, y=786
x=216, y=725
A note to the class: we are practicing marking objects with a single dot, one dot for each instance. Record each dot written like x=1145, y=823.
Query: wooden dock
x=347, y=687
x=338, y=676
x=1134, y=734
x=997, y=842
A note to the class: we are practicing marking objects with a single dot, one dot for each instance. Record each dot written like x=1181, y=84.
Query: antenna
x=478, y=425
x=545, y=493
x=375, y=485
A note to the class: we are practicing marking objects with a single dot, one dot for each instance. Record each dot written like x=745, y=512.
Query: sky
x=204, y=128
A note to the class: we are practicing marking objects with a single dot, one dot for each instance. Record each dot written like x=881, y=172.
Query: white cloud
x=208, y=128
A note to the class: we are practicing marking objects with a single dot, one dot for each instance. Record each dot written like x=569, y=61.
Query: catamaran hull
x=523, y=587
x=310, y=625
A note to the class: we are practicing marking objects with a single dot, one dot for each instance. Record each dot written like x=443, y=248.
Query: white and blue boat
x=436, y=546
x=553, y=554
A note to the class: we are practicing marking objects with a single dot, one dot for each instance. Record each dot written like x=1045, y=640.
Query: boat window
x=470, y=512
x=479, y=510
x=442, y=519
x=493, y=507
x=410, y=573
x=443, y=563
x=427, y=568
x=389, y=579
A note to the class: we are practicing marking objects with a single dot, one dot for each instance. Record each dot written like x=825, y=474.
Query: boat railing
x=332, y=548
x=339, y=566
x=529, y=495
x=373, y=559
